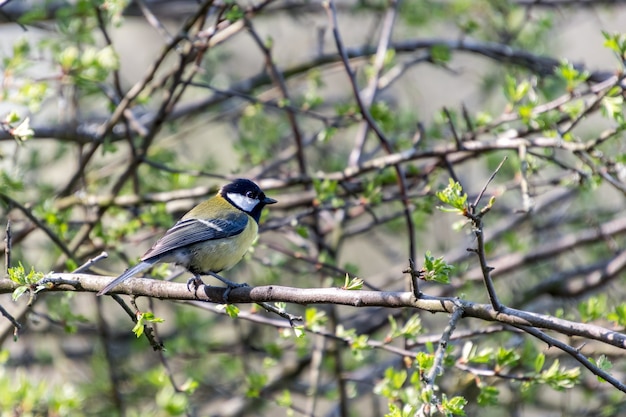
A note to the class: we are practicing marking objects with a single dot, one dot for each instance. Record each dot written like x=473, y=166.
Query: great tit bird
x=211, y=237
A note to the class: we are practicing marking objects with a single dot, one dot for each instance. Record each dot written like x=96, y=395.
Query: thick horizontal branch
x=272, y=293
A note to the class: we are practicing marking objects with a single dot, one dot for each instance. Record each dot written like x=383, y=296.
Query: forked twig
x=477, y=223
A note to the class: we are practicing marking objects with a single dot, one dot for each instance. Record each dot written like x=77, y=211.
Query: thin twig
x=169, y=99
x=16, y=325
x=166, y=364
x=455, y=135
x=575, y=353
x=437, y=367
x=148, y=330
x=553, y=247
x=492, y=372
x=292, y=318
x=91, y=262
x=279, y=80
x=468, y=122
x=7, y=247
x=28, y=213
x=154, y=21
x=315, y=375
x=587, y=160
x=491, y=177
x=369, y=93
x=477, y=222
x=526, y=200
x=415, y=277
x=331, y=120
x=114, y=375
x=343, y=405
x=401, y=179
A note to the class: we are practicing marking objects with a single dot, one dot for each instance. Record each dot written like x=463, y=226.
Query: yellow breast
x=222, y=254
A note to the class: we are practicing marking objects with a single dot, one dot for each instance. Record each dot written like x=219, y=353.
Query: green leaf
x=302, y=231
x=454, y=197
x=618, y=315
x=142, y=320
x=572, y=77
x=172, y=402
x=412, y=328
x=382, y=113
x=315, y=319
x=440, y=54
x=326, y=190
x=560, y=378
x=19, y=291
x=138, y=329
x=232, y=310
x=539, y=361
x=299, y=331
x=515, y=91
x=326, y=134
x=33, y=15
x=284, y=399
x=394, y=411
x=436, y=269
x=424, y=361
x=506, y=357
x=612, y=108
x=593, y=308
x=234, y=14
x=190, y=386
x=18, y=275
x=352, y=284
x=359, y=344
x=454, y=406
x=485, y=356
x=12, y=117
x=603, y=363
x=488, y=395
x=256, y=381
x=616, y=42
x=396, y=378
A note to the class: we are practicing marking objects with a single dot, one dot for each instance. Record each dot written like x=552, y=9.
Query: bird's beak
x=268, y=200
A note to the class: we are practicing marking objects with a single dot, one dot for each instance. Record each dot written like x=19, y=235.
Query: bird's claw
x=230, y=286
x=195, y=283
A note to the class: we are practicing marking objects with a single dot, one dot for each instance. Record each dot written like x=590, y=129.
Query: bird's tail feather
x=140, y=267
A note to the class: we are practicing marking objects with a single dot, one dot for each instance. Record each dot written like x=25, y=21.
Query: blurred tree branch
x=358, y=173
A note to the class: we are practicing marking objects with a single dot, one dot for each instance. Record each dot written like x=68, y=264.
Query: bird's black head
x=246, y=196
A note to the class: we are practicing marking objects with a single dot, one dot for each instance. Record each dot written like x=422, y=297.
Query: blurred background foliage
x=118, y=116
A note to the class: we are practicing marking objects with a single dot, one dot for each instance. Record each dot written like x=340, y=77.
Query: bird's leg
x=194, y=283
x=229, y=284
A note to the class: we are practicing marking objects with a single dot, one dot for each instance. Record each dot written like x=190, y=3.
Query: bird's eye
x=250, y=194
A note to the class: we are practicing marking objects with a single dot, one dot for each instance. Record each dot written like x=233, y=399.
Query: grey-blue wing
x=188, y=232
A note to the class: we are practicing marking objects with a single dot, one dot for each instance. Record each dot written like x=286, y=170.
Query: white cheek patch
x=245, y=203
